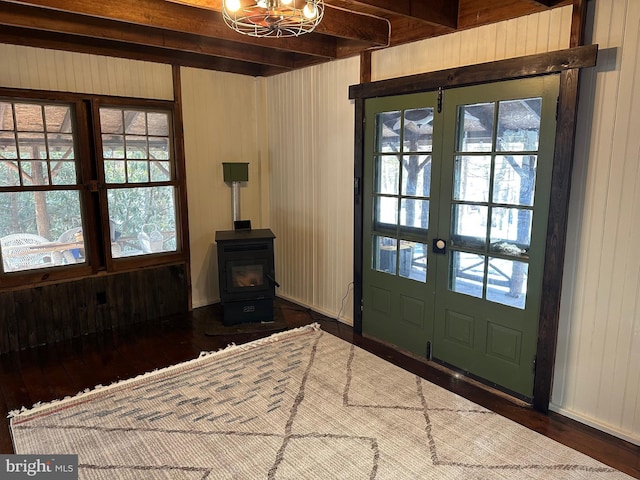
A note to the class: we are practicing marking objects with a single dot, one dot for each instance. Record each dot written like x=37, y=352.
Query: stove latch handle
x=273, y=280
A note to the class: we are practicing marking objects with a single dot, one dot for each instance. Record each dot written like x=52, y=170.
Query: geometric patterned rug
x=300, y=404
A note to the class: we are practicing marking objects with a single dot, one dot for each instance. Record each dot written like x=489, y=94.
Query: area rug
x=300, y=404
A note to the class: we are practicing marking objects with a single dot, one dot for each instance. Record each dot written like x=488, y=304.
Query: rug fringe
x=39, y=406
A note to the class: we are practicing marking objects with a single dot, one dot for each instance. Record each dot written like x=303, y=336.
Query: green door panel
x=475, y=175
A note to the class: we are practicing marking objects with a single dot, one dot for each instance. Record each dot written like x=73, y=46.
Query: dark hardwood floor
x=51, y=372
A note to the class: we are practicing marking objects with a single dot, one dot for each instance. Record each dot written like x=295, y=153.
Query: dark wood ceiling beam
x=548, y=3
x=352, y=26
x=173, y=16
x=209, y=22
x=95, y=46
x=435, y=12
x=474, y=13
x=35, y=18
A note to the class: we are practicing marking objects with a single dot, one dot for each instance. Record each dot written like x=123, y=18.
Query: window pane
x=135, y=122
x=111, y=120
x=32, y=236
x=112, y=146
x=511, y=230
x=63, y=173
x=6, y=116
x=137, y=172
x=384, y=254
x=469, y=226
x=387, y=175
x=9, y=174
x=416, y=175
x=158, y=124
x=114, y=171
x=472, y=178
x=8, y=147
x=386, y=211
x=387, y=132
x=31, y=145
x=519, y=125
x=160, y=171
x=418, y=130
x=60, y=146
x=159, y=148
x=467, y=273
x=413, y=260
x=475, y=127
x=29, y=118
x=136, y=147
x=34, y=172
x=58, y=118
x=507, y=282
x=515, y=179
x=414, y=213
x=145, y=220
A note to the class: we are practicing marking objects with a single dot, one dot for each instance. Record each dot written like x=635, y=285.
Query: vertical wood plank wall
x=597, y=379
x=310, y=124
x=539, y=33
x=220, y=125
x=41, y=69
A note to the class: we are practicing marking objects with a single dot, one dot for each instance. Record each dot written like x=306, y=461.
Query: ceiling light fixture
x=273, y=18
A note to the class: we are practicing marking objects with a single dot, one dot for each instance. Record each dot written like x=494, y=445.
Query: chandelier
x=273, y=18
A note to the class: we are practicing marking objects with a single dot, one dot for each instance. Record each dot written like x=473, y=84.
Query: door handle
x=439, y=246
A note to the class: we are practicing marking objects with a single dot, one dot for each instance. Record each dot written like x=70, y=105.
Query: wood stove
x=246, y=275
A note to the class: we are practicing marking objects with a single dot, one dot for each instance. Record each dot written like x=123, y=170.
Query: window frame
x=85, y=112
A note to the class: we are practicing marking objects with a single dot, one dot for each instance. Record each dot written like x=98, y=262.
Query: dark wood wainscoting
x=52, y=313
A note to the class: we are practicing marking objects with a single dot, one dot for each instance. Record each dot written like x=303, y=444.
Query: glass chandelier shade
x=273, y=18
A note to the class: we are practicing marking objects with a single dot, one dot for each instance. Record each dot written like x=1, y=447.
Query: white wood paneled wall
x=43, y=69
x=597, y=379
x=539, y=33
x=220, y=113
x=310, y=123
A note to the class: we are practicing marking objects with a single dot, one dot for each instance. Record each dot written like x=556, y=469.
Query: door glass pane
x=475, y=128
x=36, y=236
x=416, y=175
x=386, y=174
x=386, y=211
x=515, y=179
x=384, y=254
x=519, y=125
x=471, y=178
x=387, y=132
x=413, y=260
x=418, y=130
x=507, y=282
x=414, y=213
x=466, y=273
x=511, y=230
x=469, y=225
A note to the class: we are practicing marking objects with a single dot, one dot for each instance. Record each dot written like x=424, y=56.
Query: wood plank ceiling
x=193, y=32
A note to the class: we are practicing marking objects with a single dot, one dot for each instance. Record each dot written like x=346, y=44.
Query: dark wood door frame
x=567, y=63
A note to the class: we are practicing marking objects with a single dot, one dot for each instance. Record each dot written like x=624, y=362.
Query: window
x=77, y=200
x=139, y=175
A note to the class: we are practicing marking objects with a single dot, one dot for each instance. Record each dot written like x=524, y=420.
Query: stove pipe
x=234, y=174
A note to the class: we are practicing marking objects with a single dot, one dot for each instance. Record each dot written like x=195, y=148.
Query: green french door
x=456, y=197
